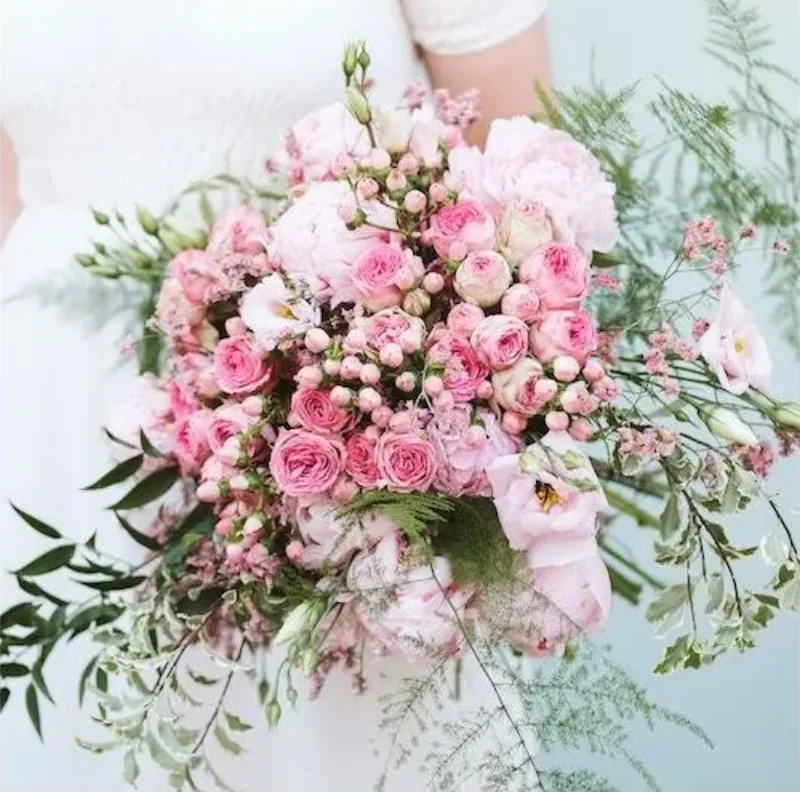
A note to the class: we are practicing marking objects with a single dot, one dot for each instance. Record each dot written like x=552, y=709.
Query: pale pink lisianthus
x=240, y=367
x=482, y=278
x=559, y=273
x=570, y=333
x=407, y=462
x=314, y=411
x=500, y=341
x=549, y=489
x=409, y=610
x=303, y=463
x=461, y=228
x=734, y=348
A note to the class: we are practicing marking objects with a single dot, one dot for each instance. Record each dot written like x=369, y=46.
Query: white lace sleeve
x=458, y=27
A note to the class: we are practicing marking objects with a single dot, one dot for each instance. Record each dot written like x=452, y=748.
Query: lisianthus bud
x=294, y=624
x=726, y=425
x=350, y=60
x=273, y=713
x=358, y=105
x=146, y=220
x=393, y=128
x=788, y=415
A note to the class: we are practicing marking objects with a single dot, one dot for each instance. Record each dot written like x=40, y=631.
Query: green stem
x=631, y=565
x=621, y=503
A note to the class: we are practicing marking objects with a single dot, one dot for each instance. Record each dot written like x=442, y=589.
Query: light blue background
x=748, y=703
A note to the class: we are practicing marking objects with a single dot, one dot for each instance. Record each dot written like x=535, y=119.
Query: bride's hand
x=9, y=198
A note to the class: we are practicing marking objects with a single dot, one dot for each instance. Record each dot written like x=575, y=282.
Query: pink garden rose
x=570, y=333
x=390, y=325
x=240, y=367
x=500, y=341
x=330, y=542
x=463, y=371
x=464, y=318
x=559, y=273
x=462, y=228
x=734, y=348
x=524, y=227
x=482, y=278
x=191, y=441
x=314, y=411
x=461, y=466
x=242, y=230
x=417, y=622
x=407, y=462
x=377, y=272
x=303, y=463
x=536, y=496
x=198, y=273
x=522, y=302
x=515, y=388
x=362, y=464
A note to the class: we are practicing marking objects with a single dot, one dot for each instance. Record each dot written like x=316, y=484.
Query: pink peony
x=482, y=278
x=462, y=227
x=569, y=333
x=500, y=341
x=462, y=466
x=240, y=367
x=314, y=411
x=522, y=302
x=515, y=387
x=463, y=371
x=191, y=441
x=362, y=464
x=389, y=325
x=407, y=461
x=303, y=463
x=408, y=610
x=549, y=489
x=524, y=227
x=559, y=273
x=242, y=230
x=198, y=273
x=734, y=348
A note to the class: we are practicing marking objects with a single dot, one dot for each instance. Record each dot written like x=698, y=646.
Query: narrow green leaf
x=95, y=614
x=200, y=679
x=87, y=671
x=119, y=584
x=37, y=525
x=13, y=670
x=37, y=676
x=48, y=562
x=32, y=705
x=226, y=743
x=235, y=723
x=5, y=695
x=22, y=615
x=35, y=590
x=148, y=489
x=148, y=447
x=114, y=439
x=140, y=538
x=122, y=471
x=130, y=768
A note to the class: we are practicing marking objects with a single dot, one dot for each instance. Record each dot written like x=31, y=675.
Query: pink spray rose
x=242, y=230
x=559, y=273
x=417, y=621
x=198, y=273
x=191, y=441
x=482, y=278
x=734, y=348
x=569, y=333
x=515, y=387
x=303, y=463
x=314, y=411
x=390, y=325
x=226, y=421
x=549, y=489
x=462, y=465
x=407, y=461
x=500, y=341
x=362, y=464
x=462, y=227
x=377, y=272
x=524, y=227
x=463, y=371
x=242, y=368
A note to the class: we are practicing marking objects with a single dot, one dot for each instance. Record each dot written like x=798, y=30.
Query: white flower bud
x=788, y=415
x=393, y=129
x=726, y=425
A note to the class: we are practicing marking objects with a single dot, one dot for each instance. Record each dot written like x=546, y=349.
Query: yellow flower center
x=547, y=496
x=740, y=345
x=285, y=312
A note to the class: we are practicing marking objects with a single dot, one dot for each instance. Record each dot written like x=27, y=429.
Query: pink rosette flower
x=191, y=441
x=407, y=462
x=522, y=302
x=462, y=227
x=303, y=463
x=550, y=488
x=362, y=463
x=145, y=408
x=274, y=311
x=463, y=370
x=316, y=140
x=390, y=325
x=314, y=411
x=407, y=610
x=515, y=388
x=500, y=341
x=482, y=278
x=570, y=333
x=524, y=227
x=328, y=541
x=464, y=318
x=242, y=230
x=377, y=272
x=734, y=348
x=559, y=273
x=240, y=367
x=198, y=273
x=461, y=464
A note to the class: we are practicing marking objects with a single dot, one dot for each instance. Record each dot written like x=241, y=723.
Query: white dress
x=111, y=103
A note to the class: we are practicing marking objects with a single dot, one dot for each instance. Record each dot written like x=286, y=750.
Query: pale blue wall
x=748, y=703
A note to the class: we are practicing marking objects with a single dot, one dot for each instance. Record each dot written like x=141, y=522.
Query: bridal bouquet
x=396, y=408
